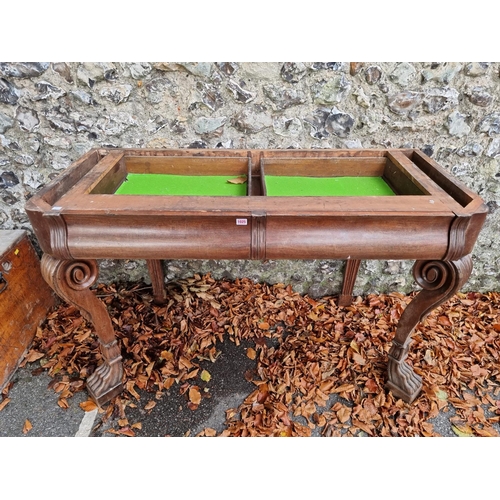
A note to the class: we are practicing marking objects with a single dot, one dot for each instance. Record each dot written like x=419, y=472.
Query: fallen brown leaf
x=88, y=405
x=344, y=414
x=126, y=431
x=251, y=353
x=4, y=403
x=150, y=405
x=358, y=359
x=27, y=426
x=33, y=356
x=209, y=432
x=63, y=403
x=194, y=395
x=238, y=180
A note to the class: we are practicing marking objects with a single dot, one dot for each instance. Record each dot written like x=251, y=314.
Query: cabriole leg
x=71, y=280
x=439, y=280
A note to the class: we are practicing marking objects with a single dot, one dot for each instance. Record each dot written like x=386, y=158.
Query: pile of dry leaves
x=306, y=350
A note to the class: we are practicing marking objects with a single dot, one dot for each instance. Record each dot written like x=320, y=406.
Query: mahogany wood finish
x=350, y=273
x=439, y=280
x=71, y=280
x=155, y=268
x=433, y=219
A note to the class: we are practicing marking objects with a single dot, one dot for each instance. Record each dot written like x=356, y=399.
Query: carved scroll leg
x=350, y=273
x=71, y=280
x=439, y=280
x=155, y=268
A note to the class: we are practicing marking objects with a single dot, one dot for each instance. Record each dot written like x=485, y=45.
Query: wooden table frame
x=433, y=219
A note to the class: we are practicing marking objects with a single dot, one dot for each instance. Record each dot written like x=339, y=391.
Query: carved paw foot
x=403, y=382
x=106, y=382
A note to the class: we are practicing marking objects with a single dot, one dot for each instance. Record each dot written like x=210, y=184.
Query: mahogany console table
x=113, y=203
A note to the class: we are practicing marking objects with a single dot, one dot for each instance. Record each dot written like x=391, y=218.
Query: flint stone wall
x=52, y=113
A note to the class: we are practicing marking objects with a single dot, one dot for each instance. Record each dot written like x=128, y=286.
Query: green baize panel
x=276, y=185
x=282, y=185
x=181, y=185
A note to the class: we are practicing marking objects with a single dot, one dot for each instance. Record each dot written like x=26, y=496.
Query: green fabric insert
x=181, y=185
x=282, y=185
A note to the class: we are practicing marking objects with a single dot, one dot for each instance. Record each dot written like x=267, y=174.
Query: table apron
x=258, y=237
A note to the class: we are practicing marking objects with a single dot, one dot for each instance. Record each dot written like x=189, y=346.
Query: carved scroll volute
x=439, y=280
x=81, y=274
x=69, y=276
x=72, y=280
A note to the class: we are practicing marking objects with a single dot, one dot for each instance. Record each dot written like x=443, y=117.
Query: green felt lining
x=181, y=185
x=282, y=185
x=276, y=185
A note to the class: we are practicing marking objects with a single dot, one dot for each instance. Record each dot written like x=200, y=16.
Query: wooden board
x=25, y=299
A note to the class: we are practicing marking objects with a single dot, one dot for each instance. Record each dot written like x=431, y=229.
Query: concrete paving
x=32, y=400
